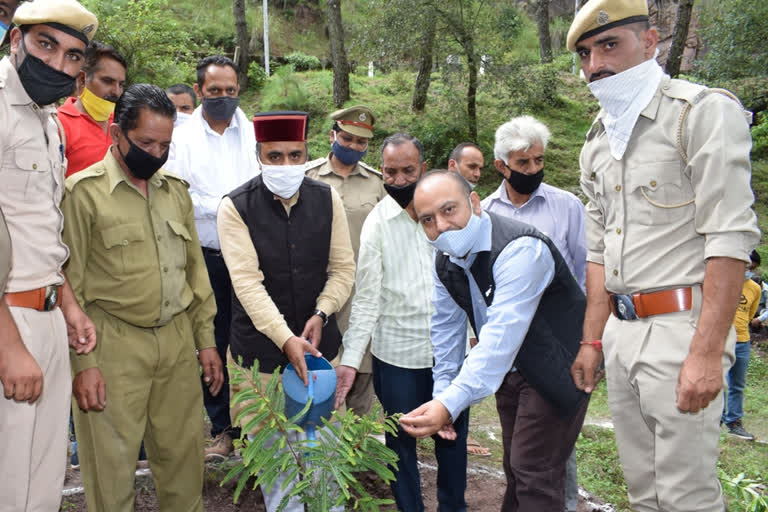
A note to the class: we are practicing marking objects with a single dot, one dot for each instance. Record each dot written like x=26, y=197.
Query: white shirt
x=555, y=212
x=213, y=164
x=392, y=306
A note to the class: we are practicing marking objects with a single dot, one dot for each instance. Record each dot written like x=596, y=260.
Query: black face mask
x=220, y=108
x=142, y=165
x=43, y=83
x=524, y=183
x=402, y=195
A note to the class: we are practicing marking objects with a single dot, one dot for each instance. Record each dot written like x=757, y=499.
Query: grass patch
x=598, y=461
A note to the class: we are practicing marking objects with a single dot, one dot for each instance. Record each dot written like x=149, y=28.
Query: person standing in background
x=86, y=118
x=215, y=151
x=361, y=187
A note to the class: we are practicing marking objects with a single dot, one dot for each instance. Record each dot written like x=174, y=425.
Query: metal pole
x=266, y=36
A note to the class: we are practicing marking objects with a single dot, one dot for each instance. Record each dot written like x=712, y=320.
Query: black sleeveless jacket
x=293, y=256
x=554, y=336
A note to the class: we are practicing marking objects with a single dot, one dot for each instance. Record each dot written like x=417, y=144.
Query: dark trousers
x=217, y=406
x=537, y=444
x=402, y=390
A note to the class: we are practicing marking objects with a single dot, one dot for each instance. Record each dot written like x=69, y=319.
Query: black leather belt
x=216, y=253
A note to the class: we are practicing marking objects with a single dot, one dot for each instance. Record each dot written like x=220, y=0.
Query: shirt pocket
x=659, y=193
x=27, y=173
x=125, y=247
x=178, y=240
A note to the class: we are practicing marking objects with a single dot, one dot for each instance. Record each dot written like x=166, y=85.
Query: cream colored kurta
x=248, y=279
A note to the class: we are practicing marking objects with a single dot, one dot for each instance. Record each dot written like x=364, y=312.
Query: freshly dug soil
x=484, y=493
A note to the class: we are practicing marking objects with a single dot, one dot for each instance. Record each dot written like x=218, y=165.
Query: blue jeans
x=737, y=381
x=217, y=406
x=402, y=390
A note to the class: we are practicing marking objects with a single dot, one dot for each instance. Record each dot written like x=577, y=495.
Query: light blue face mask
x=3, y=31
x=458, y=242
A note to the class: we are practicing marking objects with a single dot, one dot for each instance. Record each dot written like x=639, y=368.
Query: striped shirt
x=392, y=306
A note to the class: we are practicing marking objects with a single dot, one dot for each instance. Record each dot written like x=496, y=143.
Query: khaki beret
x=358, y=120
x=65, y=15
x=600, y=15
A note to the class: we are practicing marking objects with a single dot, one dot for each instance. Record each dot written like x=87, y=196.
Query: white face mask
x=181, y=118
x=458, y=242
x=283, y=180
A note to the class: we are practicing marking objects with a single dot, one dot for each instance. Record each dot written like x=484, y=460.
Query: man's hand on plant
x=294, y=349
x=345, y=377
x=428, y=419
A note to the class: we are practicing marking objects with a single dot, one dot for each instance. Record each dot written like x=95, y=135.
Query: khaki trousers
x=33, y=437
x=668, y=457
x=153, y=392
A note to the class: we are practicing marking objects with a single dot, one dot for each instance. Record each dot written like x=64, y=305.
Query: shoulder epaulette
x=370, y=169
x=176, y=177
x=90, y=172
x=317, y=162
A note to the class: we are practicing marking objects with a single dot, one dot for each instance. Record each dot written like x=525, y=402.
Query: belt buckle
x=624, y=307
x=51, y=297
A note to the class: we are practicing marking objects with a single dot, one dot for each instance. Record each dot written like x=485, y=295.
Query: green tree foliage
x=760, y=140
x=735, y=34
x=257, y=77
x=156, y=50
x=303, y=62
x=325, y=470
x=285, y=91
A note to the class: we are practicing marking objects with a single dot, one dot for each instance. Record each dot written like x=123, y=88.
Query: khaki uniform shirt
x=652, y=219
x=137, y=258
x=248, y=280
x=360, y=191
x=32, y=167
x=5, y=254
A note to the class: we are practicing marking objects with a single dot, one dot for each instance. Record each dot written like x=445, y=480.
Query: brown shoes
x=220, y=448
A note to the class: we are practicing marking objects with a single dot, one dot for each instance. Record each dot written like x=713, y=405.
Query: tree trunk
x=425, y=68
x=679, y=36
x=243, y=41
x=472, y=64
x=338, y=54
x=542, y=23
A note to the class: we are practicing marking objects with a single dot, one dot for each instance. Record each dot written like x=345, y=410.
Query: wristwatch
x=323, y=316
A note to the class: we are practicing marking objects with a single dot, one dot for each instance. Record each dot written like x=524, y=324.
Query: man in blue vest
x=518, y=293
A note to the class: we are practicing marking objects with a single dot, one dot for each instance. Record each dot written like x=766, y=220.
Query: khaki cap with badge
x=600, y=15
x=69, y=16
x=357, y=120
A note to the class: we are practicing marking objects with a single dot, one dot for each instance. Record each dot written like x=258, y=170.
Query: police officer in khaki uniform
x=137, y=269
x=20, y=375
x=360, y=187
x=46, y=52
x=669, y=224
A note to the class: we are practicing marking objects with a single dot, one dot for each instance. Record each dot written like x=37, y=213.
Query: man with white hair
x=519, y=152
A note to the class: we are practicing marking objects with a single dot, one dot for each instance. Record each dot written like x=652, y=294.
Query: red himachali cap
x=281, y=126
